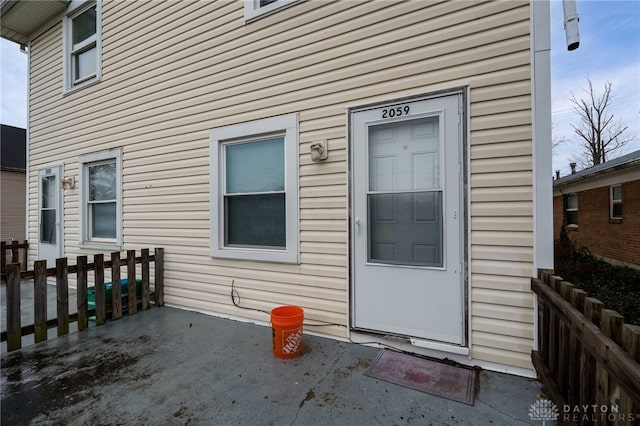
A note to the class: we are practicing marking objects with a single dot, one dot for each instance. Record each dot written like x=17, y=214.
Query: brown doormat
x=446, y=381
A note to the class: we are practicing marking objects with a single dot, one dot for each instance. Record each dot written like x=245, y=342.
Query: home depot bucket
x=286, y=327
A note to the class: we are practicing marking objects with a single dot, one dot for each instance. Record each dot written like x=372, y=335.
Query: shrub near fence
x=40, y=273
x=587, y=358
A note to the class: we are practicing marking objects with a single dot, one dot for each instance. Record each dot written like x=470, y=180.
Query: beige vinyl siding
x=172, y=71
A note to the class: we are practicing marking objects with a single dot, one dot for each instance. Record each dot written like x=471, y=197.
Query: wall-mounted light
x=69, y=183
x=319, y=151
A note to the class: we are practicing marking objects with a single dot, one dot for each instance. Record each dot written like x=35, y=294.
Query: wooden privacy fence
x=588, y=357
x=12, y=250
x=102, y=310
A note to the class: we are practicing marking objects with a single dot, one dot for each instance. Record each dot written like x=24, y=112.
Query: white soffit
x=20, y=19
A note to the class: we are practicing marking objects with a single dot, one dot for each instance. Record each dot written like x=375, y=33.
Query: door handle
x=357, y=222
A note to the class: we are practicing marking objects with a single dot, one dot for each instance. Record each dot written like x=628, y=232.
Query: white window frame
x=77, y=7
x=573, y=209
x=253, y=10
x=284, y=125
x=85, y=241
x=614, y=201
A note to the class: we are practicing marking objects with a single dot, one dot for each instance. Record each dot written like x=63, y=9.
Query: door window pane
x=404, y=155
x=404, y=200
x=255, y=220
x=405, y=228
x=48, y=192
x=48, y=226
x=48, y=209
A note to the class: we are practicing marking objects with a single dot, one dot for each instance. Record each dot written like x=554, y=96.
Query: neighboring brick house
x=601, y=208
x=12, y=183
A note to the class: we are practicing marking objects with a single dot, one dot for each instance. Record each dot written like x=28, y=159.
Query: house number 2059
x=395, y=112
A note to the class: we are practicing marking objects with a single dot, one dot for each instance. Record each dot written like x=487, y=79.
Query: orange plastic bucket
x=286, y=327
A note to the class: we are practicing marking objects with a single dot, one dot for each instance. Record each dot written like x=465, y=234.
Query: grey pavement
x=168, y=366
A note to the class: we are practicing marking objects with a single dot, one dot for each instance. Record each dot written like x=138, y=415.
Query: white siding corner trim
x=541, y=116
x=283, y=126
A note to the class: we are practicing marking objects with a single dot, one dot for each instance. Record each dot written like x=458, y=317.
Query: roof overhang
x=21, y=19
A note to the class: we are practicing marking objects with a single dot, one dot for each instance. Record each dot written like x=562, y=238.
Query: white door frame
x=462, y=93
x=50, y=252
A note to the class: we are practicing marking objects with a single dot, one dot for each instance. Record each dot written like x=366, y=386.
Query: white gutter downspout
x=27, y=167
x=571, y=19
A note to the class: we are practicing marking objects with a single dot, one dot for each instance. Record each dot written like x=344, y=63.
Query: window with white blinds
x=254, y=190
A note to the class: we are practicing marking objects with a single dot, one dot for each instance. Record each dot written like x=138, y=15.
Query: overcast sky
x=609, y=52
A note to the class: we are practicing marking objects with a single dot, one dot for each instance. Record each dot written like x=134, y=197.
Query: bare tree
x=599, y=134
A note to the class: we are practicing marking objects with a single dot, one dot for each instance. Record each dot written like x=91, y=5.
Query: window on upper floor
x=254, y=190
x=571, y=209
x=82, y=45
x=101, y=200
x=615, y=202
x=255, y=8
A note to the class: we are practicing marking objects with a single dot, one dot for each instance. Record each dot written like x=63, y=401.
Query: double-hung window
x=571, y=209
x=82, y=45
x=101, y=200
x=255, y=8
x=615, y=202
x=254, y=190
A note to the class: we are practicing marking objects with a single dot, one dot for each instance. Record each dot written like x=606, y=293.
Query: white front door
x=50, y=214
x=407, y=219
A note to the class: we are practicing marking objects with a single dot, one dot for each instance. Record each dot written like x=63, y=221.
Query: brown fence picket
x=3, y=258
x=62, y=292
x=146, y=300
x=631, y=344
x=116, y=286
x=159, y=272
x=593, y=310
x=81, y=293
x=100, y=297
x=631, y=340
x=132, y=301
x=14, y=334
x=15, y=255
x=40, y=300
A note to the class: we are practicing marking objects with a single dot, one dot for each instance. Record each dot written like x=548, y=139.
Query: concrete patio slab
x=175, y=367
